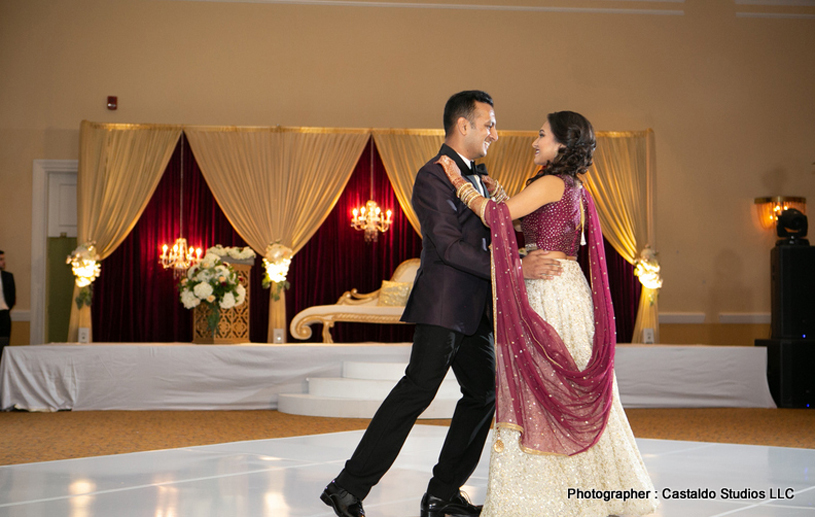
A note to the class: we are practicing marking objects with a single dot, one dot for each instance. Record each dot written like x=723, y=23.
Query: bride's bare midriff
x=559, y=255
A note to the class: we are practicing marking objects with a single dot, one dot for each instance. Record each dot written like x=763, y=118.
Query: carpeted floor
x=31, y=437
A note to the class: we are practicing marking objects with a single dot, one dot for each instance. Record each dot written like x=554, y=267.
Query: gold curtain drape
x=276, y=184
x=403, y=152
x=120, y=166
x=619, y=184
x=621, y=181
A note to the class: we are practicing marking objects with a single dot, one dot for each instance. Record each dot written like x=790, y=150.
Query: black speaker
x=791, y=371
x=793, y=292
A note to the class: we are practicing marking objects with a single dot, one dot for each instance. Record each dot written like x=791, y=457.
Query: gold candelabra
x=370, y=218
x=181, y=257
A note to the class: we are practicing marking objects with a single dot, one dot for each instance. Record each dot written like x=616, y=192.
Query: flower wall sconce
x=276, y=264
x=84, y=263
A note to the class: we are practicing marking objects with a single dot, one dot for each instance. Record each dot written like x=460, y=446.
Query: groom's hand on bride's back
x=537, y=265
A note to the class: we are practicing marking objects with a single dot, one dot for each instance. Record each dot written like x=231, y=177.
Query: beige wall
x=731, y=99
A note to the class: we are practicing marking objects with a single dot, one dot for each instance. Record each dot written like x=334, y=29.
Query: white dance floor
x=284, y=477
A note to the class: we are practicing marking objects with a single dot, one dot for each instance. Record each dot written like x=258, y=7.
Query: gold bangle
x=463, y=187
x=470, y=196
x=481, y=212
x=466, y=194
x=501, y=197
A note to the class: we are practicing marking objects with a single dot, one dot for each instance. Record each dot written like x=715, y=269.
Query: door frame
x=41, y=171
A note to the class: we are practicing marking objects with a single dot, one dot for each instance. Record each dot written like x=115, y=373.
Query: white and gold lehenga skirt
x=547, y=485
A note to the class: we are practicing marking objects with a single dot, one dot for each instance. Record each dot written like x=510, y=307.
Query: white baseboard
x=20, y=315
x=684, y=318
x=724, y=318
x=744, y=318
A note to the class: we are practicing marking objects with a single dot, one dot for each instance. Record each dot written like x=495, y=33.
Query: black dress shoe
x=458, y=506
x=344, y=503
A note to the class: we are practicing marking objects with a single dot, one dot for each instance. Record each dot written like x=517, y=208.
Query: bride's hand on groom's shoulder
x=490, y=183
x=452, y=171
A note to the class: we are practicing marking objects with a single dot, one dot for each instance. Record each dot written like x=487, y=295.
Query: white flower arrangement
x=212, y=282
x=646, y=267
x=84, y=263
x=245, y=253
x=276, y=264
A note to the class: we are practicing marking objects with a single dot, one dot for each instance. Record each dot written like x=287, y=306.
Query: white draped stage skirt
x=583, y=485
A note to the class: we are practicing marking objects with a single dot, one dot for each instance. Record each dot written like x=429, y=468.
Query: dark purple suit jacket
x=452, y=287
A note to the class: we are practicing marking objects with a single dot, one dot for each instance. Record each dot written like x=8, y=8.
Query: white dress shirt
x=479, y=185
x=3, y=304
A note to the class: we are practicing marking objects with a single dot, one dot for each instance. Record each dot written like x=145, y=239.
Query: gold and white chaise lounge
x=385, y=305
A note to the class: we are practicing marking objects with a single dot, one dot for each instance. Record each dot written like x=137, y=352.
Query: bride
x=562, y=445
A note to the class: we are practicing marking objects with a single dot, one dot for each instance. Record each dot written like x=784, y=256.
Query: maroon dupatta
x=540, y=391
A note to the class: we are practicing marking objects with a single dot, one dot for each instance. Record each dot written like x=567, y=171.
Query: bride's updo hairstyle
x=577, y=135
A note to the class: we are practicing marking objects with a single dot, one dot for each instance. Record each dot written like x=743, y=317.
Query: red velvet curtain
x=337, y=258
x=625, y=289
x=136, y=300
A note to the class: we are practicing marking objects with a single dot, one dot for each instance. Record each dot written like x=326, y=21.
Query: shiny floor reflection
x=284, y=477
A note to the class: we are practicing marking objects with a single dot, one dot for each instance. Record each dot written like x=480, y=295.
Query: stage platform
x=181, y=376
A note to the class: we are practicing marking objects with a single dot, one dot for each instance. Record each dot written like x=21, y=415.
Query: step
x=379, y=371
x=310, y=405
x=360, y=392
x=362, y=389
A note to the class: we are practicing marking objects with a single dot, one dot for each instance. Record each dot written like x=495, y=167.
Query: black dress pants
x=435, y=350
x=5, y=330
x=5, y=323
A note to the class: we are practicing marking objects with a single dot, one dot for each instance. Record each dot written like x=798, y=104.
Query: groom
x=8, y=298
x=451, y=304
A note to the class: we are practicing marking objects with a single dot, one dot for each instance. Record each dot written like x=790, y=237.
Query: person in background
x=8, y=297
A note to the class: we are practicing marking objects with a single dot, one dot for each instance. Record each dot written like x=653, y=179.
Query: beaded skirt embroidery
x=537, y=485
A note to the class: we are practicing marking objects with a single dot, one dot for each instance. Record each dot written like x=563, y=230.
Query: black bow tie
x=478, y=169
